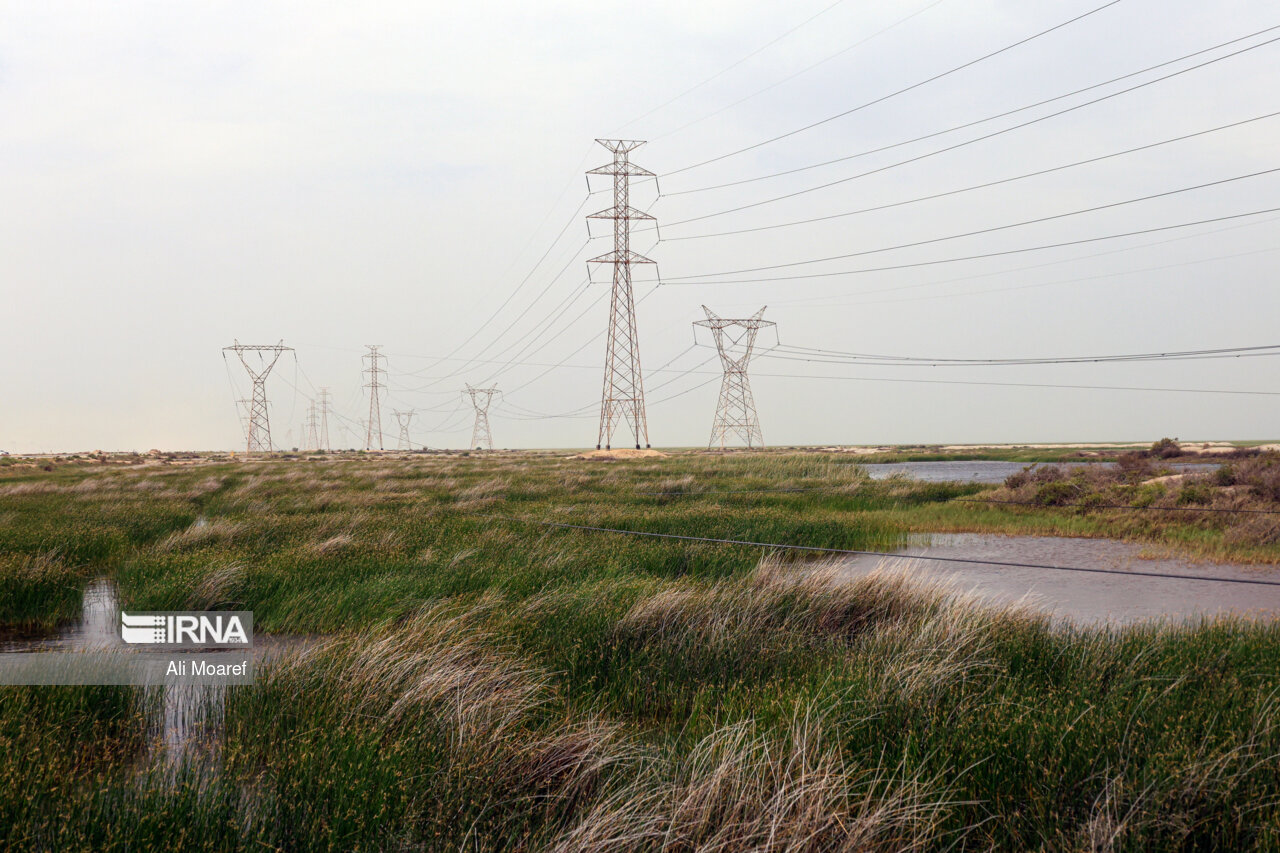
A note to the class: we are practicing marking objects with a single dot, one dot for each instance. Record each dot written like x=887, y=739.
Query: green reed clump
x=59, y=748
x=37, y=591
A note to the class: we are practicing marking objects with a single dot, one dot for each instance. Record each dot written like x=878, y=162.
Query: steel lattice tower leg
x=258, y=432
x=736, y=408
x=375, y=386
x=403, y=418
x=481, y=438
x=623, y=394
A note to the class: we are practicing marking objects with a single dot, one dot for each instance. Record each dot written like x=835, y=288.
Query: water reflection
x=184, y=721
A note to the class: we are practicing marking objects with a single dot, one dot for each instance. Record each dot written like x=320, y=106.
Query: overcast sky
x=178, y=176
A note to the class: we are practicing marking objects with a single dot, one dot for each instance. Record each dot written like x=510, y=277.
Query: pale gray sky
x=180, y=175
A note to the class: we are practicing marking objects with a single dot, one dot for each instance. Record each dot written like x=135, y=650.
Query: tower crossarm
x=627, y=213
x=629, y=170
x=625, y=257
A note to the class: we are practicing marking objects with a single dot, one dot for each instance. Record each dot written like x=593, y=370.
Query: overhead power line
x=1012, y=384
x=710, y=540
x=1005, y=114
x=826, y=300
x=519, y=286
x=869, y=358
x=973, y=187
x=1077, y=279
x=901, y=91
x=805, y=70
x=519, y=317
x=530, y=414
x=728, y=68
x=990, y=230
x=681, y=279
x=957, y=145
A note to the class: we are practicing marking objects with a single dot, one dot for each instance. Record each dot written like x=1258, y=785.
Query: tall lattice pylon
x=258, y=432
x=736, y=410
x=481, y=438
x=403, y=418
x=324, y=421
x=375, y=386
x=623, y=395
x=311, y=433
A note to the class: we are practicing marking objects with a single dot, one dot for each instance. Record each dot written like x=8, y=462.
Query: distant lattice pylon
x=245, y=407
x=481, y=438
x=403, y=418
x=258, y=432
x=375, y=386
x=623, y=394
x=324, y=421
x=736, y=410
x=311, y=434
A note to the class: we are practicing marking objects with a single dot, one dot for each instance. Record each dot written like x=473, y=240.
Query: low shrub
x=1134, y=466
x=1195, y=493
x=1058, y=493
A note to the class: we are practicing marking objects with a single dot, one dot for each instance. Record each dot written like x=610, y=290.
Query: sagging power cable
x=856, y=552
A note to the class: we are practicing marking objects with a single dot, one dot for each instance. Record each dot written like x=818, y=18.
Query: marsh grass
x=474, y=683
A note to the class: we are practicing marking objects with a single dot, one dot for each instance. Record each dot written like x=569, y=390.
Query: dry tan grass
x=815, y=600
x=216, y=588
x=739, y=790
x=460, y=557
x=332, y=545
x=250, y=485
x=389, y=541
x=494, y=487
x=672, y=486
x=35, y=487
x=89, y=485
x=202, y=532
x=926, y=636
x=346, y=524
x=439, y=666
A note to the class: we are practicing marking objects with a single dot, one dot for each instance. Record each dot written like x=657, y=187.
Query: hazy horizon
x=184, y=177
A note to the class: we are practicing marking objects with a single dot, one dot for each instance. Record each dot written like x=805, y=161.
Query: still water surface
x=1086, y=598
x=981, y=471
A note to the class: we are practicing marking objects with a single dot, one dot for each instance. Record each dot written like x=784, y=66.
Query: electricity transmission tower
x=258, y=433
x=375, y=386
x=481, y=438
x=324, y=421
x=243, y=409
x=736, y=410
x=403, y=418
x=311, y=435
x=623, y=395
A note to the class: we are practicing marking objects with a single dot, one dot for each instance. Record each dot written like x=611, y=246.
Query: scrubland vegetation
x=466, y=681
